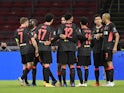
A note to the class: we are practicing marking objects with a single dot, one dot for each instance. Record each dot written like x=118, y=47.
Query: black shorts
x=30, y=57
x=46, y=57
x=107, y=55
x=98, y=61
x=66, y=57
x=24, y=59
x=84, y=61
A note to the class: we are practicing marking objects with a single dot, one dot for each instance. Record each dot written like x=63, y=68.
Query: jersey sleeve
x=36, y=30
x=57, y=34
x=81, y=35
x=113, y=28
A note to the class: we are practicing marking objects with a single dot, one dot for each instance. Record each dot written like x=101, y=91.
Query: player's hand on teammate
x=47, y=43
x=62, y=36
x=114, y=50
x=90, y=38
x=98, y=36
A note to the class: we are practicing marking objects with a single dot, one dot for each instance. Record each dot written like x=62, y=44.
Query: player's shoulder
x=61, y=26
x=86, y=29
x=52, y=29
x=112, y=24
x=74, y=25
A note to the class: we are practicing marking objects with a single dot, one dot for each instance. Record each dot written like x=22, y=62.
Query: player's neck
x=84, y=27
x=69, y=21
x=47, y=23
x=99, y=26
x=107, y=22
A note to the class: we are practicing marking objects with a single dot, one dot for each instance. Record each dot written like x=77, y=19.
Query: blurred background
x=12, y=10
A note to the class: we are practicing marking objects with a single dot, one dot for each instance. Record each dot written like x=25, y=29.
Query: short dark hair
x=34, y=22
x=49, y=17
x=23, y=20
x=68, y=16
x=97, y=15
x=84, y=20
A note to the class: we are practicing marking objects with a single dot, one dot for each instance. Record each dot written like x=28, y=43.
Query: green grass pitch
x=14, y=87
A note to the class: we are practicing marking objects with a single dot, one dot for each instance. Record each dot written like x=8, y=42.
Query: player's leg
x=71, y=61
x=49, y=60
x=46, y=60
x=72, y=75
x=104, y=57
x=86, y=74
x=30, y=59
x=24, y=68
x=34, y=71
x=24, y=62
x=86, y=61
x=22, y=78
x=79, y=72
x=109, y=69
x=97, y=57
x=111, y=73
x=54, y=81
x=59, y=73
x=59, y=70
x=46, y=72
x=96, y=76
x=62, y=59
x=64, y=75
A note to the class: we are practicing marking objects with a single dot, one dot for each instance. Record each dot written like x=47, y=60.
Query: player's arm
x=17, y=41
x=35, y=36
x=35, y=46
x=81, y=35
x=57, y=35
x=117, y=37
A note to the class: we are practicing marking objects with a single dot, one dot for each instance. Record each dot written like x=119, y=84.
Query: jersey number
x=21, y=36
x=68, y=32
x=42, y=34
x=87, y=36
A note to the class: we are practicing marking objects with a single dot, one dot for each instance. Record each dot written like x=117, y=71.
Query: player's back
x=85, y=46
x=44, y=33
x=69, y=44
x=21, y=35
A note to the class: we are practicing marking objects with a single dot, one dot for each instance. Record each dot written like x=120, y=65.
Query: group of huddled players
x=36, y=42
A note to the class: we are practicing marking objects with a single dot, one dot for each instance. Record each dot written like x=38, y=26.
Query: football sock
x=86, y=74
x=51, y=75
x=59, y=76
x=46, y=74
x=34, y=75
x=72, y=75
x=107, y=75
x=79, y=72
x=26, y=81
x=64, y=75
x=97, y=74
x=111, y=75
x=25, y=73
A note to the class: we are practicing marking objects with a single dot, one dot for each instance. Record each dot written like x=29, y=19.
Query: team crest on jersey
x=114, y=29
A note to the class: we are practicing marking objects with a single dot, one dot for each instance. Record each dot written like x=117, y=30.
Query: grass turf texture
x=14, y=87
